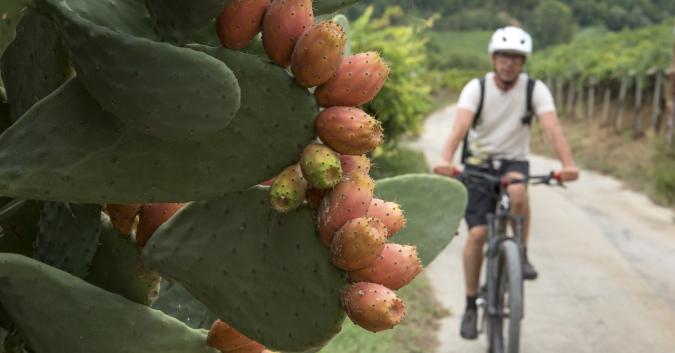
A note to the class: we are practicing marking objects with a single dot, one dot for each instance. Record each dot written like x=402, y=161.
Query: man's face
x=508, y=65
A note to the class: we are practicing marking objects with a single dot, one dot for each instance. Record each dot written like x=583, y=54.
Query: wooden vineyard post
x=637, y=123
x=622, y=103
x=605, y=104
x=570, y=97
x=656, y=102
x=671, y=98
x=559, y=91
x=590, y=110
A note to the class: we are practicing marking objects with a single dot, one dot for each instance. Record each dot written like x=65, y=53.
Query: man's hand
x=446, y=168
x=569, y=173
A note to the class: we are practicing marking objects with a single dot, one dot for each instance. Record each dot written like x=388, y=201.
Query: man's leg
x=520, y=206
x=473, y=259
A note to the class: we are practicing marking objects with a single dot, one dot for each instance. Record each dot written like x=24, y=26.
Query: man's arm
x=461, y=126
x=554, y=132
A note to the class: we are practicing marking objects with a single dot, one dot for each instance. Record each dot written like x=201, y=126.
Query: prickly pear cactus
x=137, y=102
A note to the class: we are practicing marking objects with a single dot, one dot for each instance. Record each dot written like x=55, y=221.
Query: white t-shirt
x=500, y=131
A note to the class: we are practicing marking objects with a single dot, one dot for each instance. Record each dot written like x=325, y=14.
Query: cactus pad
x=433, y=207
x=19, y=226
x=68, y=236
x=34, y=65
x=118, y=267
x=264, y=273
x=160, y=89
x=177, y=20
x=104, y=322
x=101, y=160
x=11, y=12
x=174, y=300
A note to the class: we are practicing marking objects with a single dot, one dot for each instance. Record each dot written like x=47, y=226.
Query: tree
x=551, y=23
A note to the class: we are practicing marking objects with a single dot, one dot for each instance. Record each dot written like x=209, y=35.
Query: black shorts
x=483, y=196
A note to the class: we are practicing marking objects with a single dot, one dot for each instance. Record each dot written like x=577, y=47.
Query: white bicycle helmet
x=511, y=39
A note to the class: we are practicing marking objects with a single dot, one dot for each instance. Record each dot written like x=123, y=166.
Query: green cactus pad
x=322, y=7
x=95, y=159
x=160, y=89
x=177, y=20
x=174, y=300
x=11, y=12
x=34, y=65
x=118, y=267
x=433, y=207
x=19, y=226
x=68, y=236
x=266, y=274
x=122, y=16
x=343, y=21
x=103, y=322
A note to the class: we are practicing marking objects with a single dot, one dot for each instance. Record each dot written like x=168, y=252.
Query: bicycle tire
x=509, y=283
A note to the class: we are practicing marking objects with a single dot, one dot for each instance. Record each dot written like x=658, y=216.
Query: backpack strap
x=476, y=117
x=529, y=113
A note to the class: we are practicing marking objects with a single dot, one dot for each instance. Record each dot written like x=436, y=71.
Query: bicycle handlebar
x=506, y=181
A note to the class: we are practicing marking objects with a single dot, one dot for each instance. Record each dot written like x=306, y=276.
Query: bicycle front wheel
x=505, y=324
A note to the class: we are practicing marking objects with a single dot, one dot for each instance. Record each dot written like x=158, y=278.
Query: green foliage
x=664, y=172
x=551, y=23
x=490, y=14
x=404, y=100
x=607, y=56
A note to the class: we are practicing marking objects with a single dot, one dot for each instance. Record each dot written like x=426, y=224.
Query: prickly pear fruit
x=354, y=164
x=388, y=212
x=228, y=340
x=123, y=216
x=151, y=216
x=348, y=200
x=396, y=266
x=267, y=182
x=284, y=22
x=357, y=81
x=314, y=196
x=358, y=243
x=320, y=166
x=318, y=54
x=288, y=189
x=372, y=306
x=348, y=130
x=240, y=21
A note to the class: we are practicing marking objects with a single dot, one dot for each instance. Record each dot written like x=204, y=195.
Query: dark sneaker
x=469, y=328
x=528, y=270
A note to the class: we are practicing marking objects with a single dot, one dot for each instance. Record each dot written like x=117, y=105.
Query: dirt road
x=606, y=258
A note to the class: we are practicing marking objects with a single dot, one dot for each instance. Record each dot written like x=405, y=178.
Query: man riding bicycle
x=494, y=114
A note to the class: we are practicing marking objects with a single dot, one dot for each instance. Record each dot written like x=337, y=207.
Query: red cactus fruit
x=228, y=340
x=240, y=21
x=354, y=164
x=320, y=166
x=318, y=54
x=267, y=182
x=348, y=130
x=314, y=196
x=348, y=200
x=284, y=22
x=123, y=216
x=357, y=81
x=151, y=216
x=372, y=306
x=288, y=189
x=396, y=266
x=389, y=212
x=358, y=243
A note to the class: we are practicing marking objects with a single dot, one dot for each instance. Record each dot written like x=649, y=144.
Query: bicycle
x=501, y=294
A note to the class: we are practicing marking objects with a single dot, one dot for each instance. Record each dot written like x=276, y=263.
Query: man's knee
x=477, y=235
x=517, y=192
